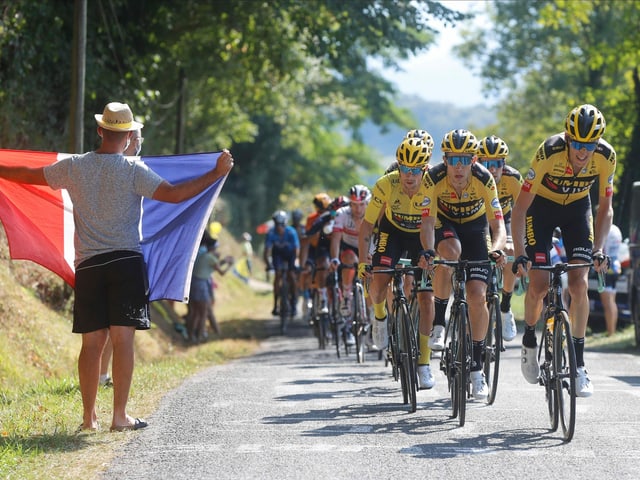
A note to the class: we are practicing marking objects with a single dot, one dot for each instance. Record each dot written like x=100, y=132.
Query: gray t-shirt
x=106, y=191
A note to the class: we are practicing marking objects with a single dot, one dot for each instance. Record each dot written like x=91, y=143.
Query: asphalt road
x=292, y=411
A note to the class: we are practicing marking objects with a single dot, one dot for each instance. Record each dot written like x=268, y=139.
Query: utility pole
x=78, y=69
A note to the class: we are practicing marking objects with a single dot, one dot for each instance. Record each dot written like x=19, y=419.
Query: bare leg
x=106, y=360
x=122, y=371
x=89, y=374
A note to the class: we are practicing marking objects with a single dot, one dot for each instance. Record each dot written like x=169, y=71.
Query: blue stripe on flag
x=171, y=233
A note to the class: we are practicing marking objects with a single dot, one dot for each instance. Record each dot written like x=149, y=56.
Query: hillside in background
x=435, y=117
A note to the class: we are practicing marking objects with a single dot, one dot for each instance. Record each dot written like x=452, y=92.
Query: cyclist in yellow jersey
x=492, y=153
x=555, y=193
x=461, y=203
x=399, y=194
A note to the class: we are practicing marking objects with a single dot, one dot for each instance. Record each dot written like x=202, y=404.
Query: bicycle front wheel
x=460, y=355
x=359, y=322
x=408, y=358
x=493, y=348
x=564, y=365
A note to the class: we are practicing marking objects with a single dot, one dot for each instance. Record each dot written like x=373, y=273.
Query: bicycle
x=402, y=350
x=494, y=343
x=558, y=370
x=284, y=297
x=360, y=324
x=455, y=361
x=336, y=321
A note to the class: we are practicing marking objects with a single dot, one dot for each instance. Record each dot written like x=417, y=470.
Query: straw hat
x=117, y=117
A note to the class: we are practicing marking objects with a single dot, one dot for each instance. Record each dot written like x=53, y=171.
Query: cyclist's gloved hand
x=362, y=269
x=425, y=257
x=498, y=257
x=600, y=261
x=520, y=260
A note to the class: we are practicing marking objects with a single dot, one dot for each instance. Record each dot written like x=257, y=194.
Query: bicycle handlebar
x=559, y=269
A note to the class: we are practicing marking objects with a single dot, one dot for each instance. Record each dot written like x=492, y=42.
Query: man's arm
x=498, y=234
x=33, y=176
x=518, y=221
x=427, y=233
x=166, y=192
x=364, y=240
x=603, y=221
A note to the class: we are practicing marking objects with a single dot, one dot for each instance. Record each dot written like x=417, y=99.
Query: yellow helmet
x=585, y=123
x=493, y=147
x=413, y=152
x=424, y=135
x=459, y=141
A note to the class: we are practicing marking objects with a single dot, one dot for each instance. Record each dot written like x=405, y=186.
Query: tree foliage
x=543, y=58
x=283, y=83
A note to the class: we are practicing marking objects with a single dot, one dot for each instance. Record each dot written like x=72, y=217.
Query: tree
x=546, y=57
x=286, y=77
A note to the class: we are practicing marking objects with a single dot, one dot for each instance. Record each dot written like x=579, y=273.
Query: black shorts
x=393, y=244
x=575, y=221
x=111, y=289
x=474, y=240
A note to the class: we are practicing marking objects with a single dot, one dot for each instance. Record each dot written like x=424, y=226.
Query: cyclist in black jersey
x=556, y=194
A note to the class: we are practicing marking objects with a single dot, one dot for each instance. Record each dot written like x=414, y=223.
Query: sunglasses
x=499, y=163
x=411, y=170
x=588, y=146
x=459, y=160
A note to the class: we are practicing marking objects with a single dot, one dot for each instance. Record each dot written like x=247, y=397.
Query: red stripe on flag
x=32, y=216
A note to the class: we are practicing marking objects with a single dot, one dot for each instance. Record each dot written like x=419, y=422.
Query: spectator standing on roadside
x=134, y=148
x=106, y=190
x=608, y=295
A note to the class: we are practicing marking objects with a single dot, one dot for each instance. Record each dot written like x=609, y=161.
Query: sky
x=437, y=75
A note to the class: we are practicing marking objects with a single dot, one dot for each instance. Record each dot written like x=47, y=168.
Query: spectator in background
x=202, y=297
x=134, y=148
x=243, y=268
x=608, y=296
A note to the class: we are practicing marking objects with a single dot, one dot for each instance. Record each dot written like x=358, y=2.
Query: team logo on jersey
x=426, y=201
x=495, y=203
x=531, y=174
x=610, y=180
x=541, y=257
x=378, y=201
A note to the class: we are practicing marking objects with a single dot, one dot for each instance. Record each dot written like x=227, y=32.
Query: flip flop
x=137, y=425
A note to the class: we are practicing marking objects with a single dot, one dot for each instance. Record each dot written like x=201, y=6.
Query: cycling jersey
x=402, y=211
x=508, y=189
x=283, y=247
x=345, y=223
x=552, y=177
x=479, y=198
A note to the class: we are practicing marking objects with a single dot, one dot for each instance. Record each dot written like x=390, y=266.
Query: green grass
x=40, y=404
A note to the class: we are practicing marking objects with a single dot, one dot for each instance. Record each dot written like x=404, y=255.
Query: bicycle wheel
x=407, y=357
x=335, y=320
x=285, y=306
x=359, y=321
x=319, y=321
x=461, y=363
x=493, y=348
x=547, y=376
x=564, y=365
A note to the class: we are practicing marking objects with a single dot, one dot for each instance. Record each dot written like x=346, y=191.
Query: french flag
x=38, y=221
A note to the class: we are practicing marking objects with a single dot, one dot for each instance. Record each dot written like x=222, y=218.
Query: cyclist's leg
x=448, y=247
x=509, y=330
